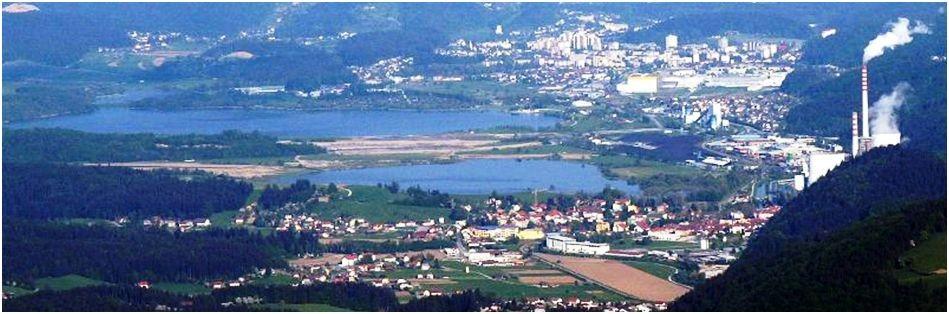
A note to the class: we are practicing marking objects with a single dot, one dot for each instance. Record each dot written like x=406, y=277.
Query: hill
x=839, y=245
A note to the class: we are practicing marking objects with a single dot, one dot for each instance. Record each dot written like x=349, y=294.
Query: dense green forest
x=836, y=246
x=698, y=27
x=112, y=299
x=274, y=196
x=34, y=249
x=44, y=191
x=353, y=296
x=62, y=145
x=62, y=33
x=276, y=63
x=31, y=102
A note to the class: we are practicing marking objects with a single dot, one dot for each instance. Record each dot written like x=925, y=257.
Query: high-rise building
x=722, y=43
x=672, y=41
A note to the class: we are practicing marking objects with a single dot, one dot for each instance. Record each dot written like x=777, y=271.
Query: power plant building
x=866, y=141
x=820, y=163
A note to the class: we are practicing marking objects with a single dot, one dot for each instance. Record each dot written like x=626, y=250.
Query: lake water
x=282, y=123
x=476, y=177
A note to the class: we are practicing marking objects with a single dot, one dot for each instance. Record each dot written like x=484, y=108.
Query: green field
x=66, y=282
x=540, y=149
x=929, y=255
x=16, y=291
x=306, y=307
x=274, y=280
x=223, y=219
x=181, y=288
x=925, y=261
x=480, y=90
x=375, y=204
x=651, y=168
x=656, y=269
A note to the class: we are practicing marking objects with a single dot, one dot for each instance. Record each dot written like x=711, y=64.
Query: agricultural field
x=375, y=204
x=66, y=282
x=274, y=280
x=477, y=90
x=181, y=288
x=653, y=268
x=619, y=276
x=505, y=282
x=644, y=169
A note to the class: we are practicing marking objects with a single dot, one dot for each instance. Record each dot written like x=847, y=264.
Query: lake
x=284, y=123
x=476, y=177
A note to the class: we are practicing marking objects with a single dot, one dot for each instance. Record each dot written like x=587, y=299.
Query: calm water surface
x=284, y=123
x=476, y=177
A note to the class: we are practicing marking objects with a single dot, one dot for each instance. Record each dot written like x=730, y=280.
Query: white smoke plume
x=883, y=117
x=900, y=34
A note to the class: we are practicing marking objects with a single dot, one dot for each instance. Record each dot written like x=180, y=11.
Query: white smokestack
x=865, y=100
x=884, y=110
x=855, y=137
x=900, y=34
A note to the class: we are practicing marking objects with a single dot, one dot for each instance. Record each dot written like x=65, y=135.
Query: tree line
x=353, y=296
x=62, y=145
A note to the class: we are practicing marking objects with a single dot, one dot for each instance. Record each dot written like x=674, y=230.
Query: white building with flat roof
x=559, y=243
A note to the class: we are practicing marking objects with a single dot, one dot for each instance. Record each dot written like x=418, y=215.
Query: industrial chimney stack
x=865, y=101
x=855, y=144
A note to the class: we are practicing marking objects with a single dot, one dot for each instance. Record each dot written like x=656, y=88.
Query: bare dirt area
x=619, y=277
x=550, y=280
x=237, y=171
x=331, y=259
x=439, y=145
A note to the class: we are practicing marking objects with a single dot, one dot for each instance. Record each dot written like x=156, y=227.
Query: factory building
x=559, y=243
x=639, y=84
x=672, y=42
x=820, y=163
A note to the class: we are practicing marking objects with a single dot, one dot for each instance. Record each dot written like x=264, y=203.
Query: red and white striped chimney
x=865, y=100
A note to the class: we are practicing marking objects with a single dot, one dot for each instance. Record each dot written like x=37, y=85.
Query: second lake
x=476, y=177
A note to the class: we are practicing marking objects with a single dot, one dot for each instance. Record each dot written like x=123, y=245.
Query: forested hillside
x=62, y=145
x=36, y=249
x=61, y=33
x=44, y=191
x=31, y=102
x=837, y=246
